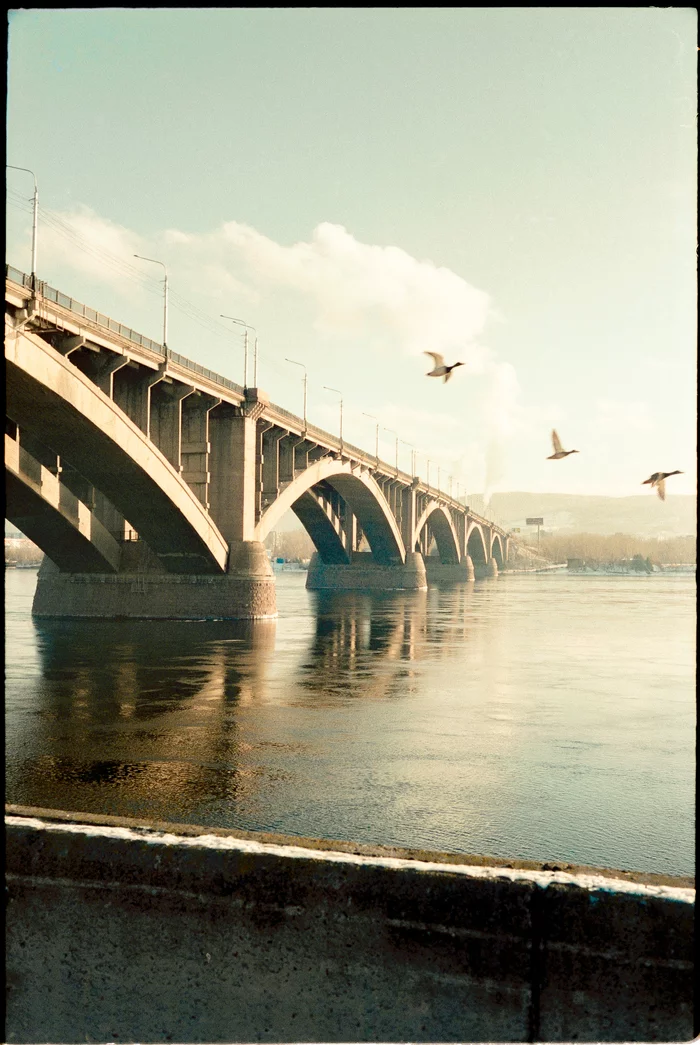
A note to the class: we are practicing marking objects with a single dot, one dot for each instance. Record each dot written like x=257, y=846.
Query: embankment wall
x=119, y=930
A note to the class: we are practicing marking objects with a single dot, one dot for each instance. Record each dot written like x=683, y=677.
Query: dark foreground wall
x=121, y=933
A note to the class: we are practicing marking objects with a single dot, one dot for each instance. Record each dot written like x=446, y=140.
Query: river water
x=538, y=716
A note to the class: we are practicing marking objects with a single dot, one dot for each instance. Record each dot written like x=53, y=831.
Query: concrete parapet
x=121, y=930
x=363, y=574
x=245, y=592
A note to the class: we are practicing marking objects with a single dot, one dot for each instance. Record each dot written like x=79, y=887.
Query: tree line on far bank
x=615, y=547
x=591, y=547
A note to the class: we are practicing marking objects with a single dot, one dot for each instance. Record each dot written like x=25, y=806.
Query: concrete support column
x=195, y=451
x=68, y=343
x=233, y=438
x=408, y=517
x=301, y=455
x=77, y=485
x=492, y=568
x=287, y=446
x=132, y=393
x=271, y=464
x=101, y=368
x=462, y=525
x=350, y=526
x=166, y=419
x=261, y=428
x=112, y=520
x=33, y=454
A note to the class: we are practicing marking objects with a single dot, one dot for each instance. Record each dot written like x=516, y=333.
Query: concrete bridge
x=151, y=483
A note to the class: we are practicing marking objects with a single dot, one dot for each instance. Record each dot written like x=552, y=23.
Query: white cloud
x=358, y=287
x=378, y=300
x=88, y=243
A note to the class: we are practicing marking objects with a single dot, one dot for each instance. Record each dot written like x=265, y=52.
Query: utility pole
x=165, y=301
x=304, y=381
x=35, y=218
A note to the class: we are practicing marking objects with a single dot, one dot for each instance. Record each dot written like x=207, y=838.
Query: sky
x=514, y=188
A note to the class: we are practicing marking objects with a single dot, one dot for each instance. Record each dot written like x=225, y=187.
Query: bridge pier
x=486, y=569
x=447, y=572
x=363, y=574
x=142, y=590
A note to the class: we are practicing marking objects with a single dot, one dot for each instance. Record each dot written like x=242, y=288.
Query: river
x=536, y=716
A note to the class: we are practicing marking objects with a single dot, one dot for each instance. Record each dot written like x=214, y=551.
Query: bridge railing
x=99, y=319
x=203, y=371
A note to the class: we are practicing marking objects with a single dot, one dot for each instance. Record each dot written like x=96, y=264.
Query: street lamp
x=165, y=301
x=34, y=217
x=305, y=378
x=242, y=323
x=376, y=436
x=329, y=389
x=413, y=455
x=397, y=446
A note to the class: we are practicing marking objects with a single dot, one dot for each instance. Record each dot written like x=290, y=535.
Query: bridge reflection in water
x=197, y=721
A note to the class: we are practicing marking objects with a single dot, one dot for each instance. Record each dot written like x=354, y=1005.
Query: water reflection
x=150, y=717
x=541, y=716
x=139, y=717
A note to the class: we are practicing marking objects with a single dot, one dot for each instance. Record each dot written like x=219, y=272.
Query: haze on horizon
x=514, y=188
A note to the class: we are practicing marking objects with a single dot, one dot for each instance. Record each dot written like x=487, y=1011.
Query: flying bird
x=656, y=479
x=558, y=452
x=440, y=370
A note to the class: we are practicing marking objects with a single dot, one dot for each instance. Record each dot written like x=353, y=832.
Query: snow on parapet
x=592, y=882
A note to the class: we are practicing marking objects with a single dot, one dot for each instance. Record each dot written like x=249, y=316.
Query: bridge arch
x=65, y=410
x=41, y=507
x=477, y=544
x=312, y=516
x=497, y=550
x=440, y=521
x=364, y=498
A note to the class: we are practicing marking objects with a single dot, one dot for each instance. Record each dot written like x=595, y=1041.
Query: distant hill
x=645, y=516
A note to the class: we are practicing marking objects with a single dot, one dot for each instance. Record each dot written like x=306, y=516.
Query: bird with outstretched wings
x=657, y=481
x=440, y=369
x=558, y=451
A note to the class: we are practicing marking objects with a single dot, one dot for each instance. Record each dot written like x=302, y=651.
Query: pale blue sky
x=517, y=188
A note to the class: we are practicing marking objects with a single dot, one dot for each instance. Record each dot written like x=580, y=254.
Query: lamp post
x=427, y=480
x=35, y=214
x=376, y=437
x=165, y=301
x=242, y=323
x=413, y=456
x=305, y=378
x=397, y=447
x=338, y=392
